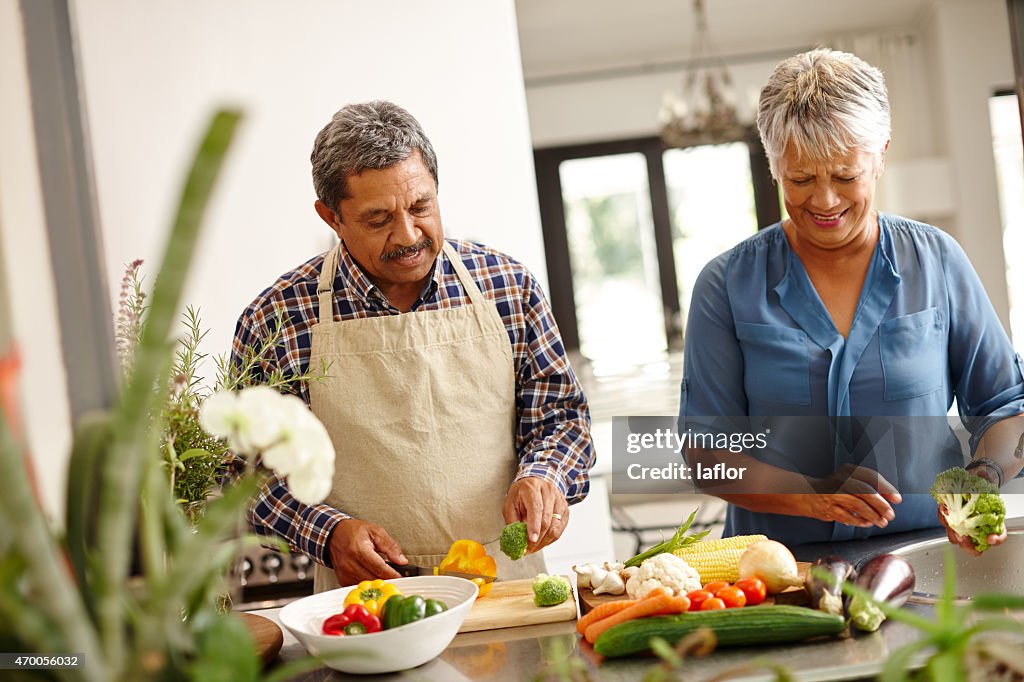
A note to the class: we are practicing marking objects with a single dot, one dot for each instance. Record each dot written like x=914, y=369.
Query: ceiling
x=564, y=39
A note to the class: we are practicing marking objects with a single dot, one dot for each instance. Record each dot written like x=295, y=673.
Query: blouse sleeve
x=712, y=362
x=988, y=376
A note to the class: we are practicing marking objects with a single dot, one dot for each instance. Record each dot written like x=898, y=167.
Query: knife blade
x=410, y=570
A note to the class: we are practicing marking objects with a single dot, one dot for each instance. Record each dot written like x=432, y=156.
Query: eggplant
x=826, y=594
x=887, y=578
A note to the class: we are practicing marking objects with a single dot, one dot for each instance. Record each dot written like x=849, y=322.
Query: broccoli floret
x=550, y=590
x=513, y=540
x=974, y=507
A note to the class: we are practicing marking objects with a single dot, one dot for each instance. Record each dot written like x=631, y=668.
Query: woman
x=854, y=326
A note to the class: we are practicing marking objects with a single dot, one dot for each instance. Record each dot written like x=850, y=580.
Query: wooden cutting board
x=794, y=595
x=266, y=635
x=510, y=604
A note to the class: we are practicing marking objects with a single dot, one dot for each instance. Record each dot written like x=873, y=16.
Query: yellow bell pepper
x=469, y=556
x=372, y=594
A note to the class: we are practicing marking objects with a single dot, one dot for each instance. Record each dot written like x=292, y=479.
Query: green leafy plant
x=197, y=462
x=78, y=594
x=955, y=636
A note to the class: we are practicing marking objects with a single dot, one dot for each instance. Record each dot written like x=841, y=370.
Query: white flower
x=280, y=428
x=310, y=485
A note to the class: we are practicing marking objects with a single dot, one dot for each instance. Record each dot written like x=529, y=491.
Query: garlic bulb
x=584, y=574
x=611, y=584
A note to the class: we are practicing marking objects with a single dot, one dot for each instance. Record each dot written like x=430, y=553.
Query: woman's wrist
x=988, y=469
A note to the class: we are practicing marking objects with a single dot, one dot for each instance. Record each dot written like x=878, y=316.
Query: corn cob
x=717, y=559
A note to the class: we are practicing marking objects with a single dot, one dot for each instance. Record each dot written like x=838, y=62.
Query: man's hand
x=964, y=542
x=538, y=502
x=358, y=550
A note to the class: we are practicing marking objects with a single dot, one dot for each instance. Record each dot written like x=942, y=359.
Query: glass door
x=628, y=226
x=711, y=204
x=613, y=258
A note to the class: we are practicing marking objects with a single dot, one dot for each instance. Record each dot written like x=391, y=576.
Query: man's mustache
x=406, y=250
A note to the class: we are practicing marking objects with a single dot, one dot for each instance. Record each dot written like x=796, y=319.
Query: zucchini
x=732, y=627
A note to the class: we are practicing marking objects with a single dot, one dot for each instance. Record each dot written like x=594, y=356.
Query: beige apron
x=421, y=409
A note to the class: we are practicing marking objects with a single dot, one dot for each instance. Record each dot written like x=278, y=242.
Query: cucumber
x=732, y=627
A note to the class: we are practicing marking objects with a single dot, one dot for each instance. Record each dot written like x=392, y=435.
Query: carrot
x=680, y=604
x=648, y=606
x=602, y=611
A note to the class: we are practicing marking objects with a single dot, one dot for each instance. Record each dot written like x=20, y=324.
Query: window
x=1007, y=146
x=629, y=225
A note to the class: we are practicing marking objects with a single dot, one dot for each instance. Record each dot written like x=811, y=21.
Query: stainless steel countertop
x=523, y=653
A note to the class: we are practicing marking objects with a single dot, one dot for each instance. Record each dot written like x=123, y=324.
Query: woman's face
x=829, y=202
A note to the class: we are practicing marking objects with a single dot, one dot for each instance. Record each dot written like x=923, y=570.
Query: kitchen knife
x=409, y=570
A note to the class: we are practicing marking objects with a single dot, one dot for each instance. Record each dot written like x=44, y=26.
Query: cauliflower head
x=666, y=571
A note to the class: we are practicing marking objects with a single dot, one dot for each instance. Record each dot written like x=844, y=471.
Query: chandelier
x=704, y=112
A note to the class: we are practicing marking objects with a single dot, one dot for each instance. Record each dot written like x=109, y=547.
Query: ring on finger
x=556, y=517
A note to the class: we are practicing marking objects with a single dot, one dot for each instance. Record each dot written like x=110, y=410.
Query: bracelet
x=1019, y=452
x=991, y=464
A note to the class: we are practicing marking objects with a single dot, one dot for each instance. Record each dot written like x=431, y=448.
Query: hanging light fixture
x=704, y=112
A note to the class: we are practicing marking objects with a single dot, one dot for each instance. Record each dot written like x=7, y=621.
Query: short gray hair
x=370, y=135
x=826, y=104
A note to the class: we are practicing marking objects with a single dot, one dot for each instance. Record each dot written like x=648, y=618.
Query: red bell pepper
x=354, y=620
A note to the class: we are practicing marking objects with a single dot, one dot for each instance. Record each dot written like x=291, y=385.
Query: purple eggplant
x=825, y=592
x=887, y=578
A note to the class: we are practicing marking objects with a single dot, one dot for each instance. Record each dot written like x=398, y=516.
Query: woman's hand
x=963, y=541
x=862, y=497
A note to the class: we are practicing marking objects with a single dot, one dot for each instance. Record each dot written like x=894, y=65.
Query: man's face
x=391, y=225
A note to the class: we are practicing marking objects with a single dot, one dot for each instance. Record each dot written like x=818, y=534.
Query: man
x=448, y=388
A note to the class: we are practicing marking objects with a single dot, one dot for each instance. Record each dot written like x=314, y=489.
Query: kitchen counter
x=524, y=653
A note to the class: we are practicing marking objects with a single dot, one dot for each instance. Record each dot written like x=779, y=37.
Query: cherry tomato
x=712, y=604
x=733, y=597
x=714, y=587
x=754, y=590
x=697, y=598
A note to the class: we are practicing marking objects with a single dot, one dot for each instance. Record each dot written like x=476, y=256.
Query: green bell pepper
x=400, y=610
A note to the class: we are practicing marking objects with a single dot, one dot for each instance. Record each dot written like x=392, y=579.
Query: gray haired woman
x=837, y=314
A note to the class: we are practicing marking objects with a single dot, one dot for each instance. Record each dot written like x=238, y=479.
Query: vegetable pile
x=376, y=605
x=669, y=602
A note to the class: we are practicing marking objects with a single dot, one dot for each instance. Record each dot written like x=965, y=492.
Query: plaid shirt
x=553, y=421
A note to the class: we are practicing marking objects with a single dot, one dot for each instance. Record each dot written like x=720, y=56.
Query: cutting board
x=794, y=595
x=266, y=635
x=510, y=604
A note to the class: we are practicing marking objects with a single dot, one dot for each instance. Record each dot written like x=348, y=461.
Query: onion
x=772, y=563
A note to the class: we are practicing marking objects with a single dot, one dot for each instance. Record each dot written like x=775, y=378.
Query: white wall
x=973, y=59
x=29, y=286
x=153, y=71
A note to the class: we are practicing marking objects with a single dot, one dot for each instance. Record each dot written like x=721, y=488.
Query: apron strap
x=325, y=284
x=465, y=279
x=325, y=287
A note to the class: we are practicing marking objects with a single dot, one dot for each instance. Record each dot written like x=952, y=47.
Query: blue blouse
x=760, y=343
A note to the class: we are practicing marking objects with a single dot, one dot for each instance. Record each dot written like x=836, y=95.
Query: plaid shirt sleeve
x=306, y=528
x=553, y=429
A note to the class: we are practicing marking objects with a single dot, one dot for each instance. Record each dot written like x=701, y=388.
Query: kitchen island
x=523, y=653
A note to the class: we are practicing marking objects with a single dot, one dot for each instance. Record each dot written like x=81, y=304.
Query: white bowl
x=389, y=650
